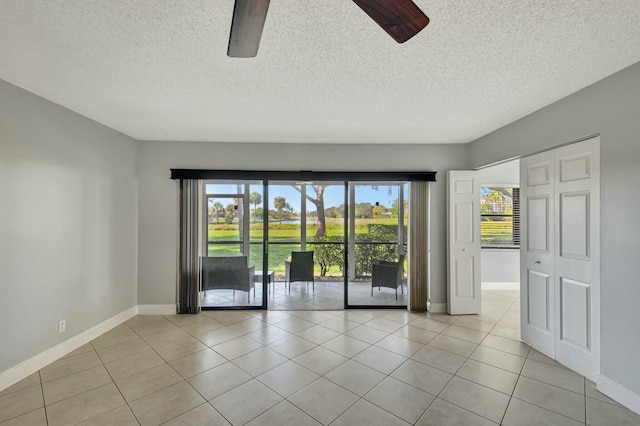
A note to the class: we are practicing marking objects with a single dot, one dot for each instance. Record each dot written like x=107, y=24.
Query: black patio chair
x=387, y=274
x=300, y=268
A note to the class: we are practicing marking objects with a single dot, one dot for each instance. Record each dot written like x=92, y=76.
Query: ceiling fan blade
x=401, y=19
x=246, y=27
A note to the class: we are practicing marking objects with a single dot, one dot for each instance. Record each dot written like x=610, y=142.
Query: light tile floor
x=310, y=368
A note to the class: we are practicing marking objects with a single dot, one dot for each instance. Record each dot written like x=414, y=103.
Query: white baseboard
x=500, y=285
x=619, y=393
x=37, y=362
x=437, y=308
x=157, y=309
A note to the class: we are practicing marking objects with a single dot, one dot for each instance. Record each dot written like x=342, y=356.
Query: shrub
x=283, y=226
x=367, y=250
x=383, y=232
x=328, y=255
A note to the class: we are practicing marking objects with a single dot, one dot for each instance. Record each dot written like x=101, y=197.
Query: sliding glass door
x=353, y=235
x=233, y=243
x=378, y=244
x=306, y=217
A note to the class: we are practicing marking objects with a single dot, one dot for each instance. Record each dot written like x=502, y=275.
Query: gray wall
x=610, y=107
x=158, y=214
x=68, y=224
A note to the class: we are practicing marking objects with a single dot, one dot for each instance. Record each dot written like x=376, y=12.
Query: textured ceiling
x=158, y=70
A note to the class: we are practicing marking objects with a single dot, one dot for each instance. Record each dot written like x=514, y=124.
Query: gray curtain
x=418, y=246
x=188, y=260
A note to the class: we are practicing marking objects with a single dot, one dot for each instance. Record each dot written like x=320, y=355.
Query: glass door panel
x=326, y=213
x=224, y=237
x=232, y=233
x=306, y=216
x=377, y=244
x=284, y=235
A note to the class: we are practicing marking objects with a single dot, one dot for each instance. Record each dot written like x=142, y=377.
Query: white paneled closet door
x=537, y=216
x=560, y=254
x=577, y=246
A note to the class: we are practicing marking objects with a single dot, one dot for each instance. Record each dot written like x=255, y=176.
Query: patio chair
x=387, y=274
x=228, y=273
x=299, y=268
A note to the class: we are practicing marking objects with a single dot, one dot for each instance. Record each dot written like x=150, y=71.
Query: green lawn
x=335, y=227
x=279, y=236
x=496, y=232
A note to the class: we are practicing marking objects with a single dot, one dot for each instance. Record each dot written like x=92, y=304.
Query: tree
x=218, y=210
x=319, y=203
x=335, y=212
x=396, y=204
x=379, y=210
x=283, y=209
x=212, y=211
x=364, y=211
x=230, y=213
x=497, y=199
x=255, y=198
x=259, y=213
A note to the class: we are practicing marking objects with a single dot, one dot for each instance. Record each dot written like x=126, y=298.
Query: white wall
x=610, y=107
x=503, y=174
x=500, y=265
x=158, y=211
x=68, y=224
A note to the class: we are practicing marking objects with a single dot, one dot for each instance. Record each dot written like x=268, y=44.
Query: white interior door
x=537, y=296
x=463, y=232
x=577, y=228
x=560, y=254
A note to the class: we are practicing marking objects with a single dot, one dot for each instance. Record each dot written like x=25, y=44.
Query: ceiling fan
x=401, y=19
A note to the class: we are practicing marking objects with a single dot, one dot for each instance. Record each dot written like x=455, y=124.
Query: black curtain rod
x=303, y=175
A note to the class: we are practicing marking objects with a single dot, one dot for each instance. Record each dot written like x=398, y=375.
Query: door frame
x=266, y=177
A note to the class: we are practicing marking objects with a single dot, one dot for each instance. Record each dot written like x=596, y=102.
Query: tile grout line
x=389, y=333
x=44, y=405
x=127, y=403
x=113, y=379
x=206, y=401
x=584, y=382
x=467, y=359
x=316, y=322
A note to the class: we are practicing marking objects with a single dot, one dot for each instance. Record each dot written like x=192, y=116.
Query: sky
x=333, y=195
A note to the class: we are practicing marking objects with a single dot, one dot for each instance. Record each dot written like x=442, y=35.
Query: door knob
x=537, y=262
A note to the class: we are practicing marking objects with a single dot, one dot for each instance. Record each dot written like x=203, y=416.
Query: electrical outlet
x=62, y=326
